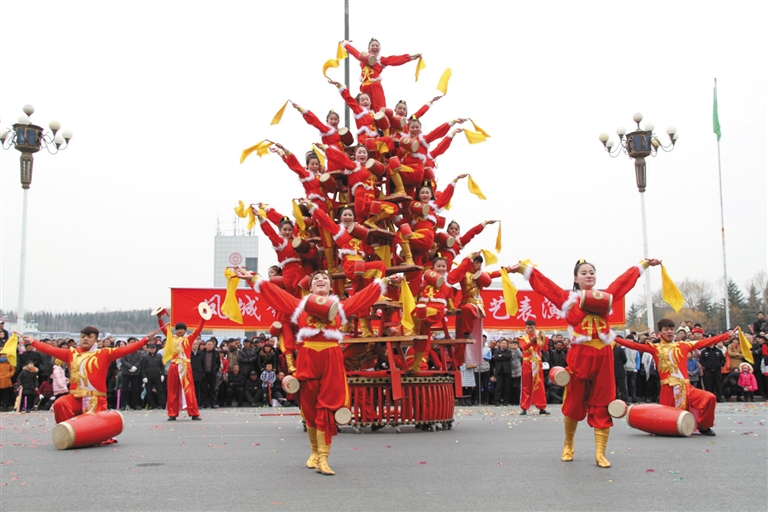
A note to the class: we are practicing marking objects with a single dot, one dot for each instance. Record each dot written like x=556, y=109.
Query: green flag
x=715, y=118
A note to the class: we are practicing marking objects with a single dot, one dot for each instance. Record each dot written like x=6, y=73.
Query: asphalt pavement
x=492, y=459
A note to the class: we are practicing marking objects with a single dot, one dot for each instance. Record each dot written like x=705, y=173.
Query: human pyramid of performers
x=364, y=273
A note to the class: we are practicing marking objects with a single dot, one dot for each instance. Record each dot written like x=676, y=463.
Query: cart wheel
x=398, y=429
x=357, y=429
x=450, y=424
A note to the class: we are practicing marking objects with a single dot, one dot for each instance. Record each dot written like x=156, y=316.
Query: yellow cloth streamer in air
x=10, y=348
x=243, y=212
x=474, y=137
x=498, y=239
x=298, y=216
x=341, y=54
x=478, y=129
x=474, y=188
x=231, y=307
x=409, y=304
x=746, y=347
x=261, y=149
x=669, y=291
x=489, y=257
x=442, y=85
x=279, y=114
x=419, y=66
x=320, y=155
x=510, y=293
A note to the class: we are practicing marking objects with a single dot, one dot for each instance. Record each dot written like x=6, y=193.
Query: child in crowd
x=267, y=380
x=6, y=385
x=747, y=382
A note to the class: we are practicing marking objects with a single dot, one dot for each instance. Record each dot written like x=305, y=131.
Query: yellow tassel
x=474, y=189
x=669, y=291
x=419, y=66
x=746, y=347
x=231, y=308
x=489, y=257
x=409, y=304
x=510, y=293
x=442, y=85
x=474, y=137
x=298, y=216
x=279, y=114
x=498, y=239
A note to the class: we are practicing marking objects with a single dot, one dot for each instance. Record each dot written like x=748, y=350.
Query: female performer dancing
x=319, y=364
x=590, y=359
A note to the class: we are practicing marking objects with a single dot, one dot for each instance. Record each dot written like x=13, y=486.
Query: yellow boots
x=601, y=440
x=312, y=461
x=323, y=450
x=570, y=430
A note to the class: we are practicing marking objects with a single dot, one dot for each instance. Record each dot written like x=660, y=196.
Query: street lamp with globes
x=28, y=139
x=638, y=145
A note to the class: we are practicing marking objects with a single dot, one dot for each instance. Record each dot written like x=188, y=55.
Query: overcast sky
x=163, y=96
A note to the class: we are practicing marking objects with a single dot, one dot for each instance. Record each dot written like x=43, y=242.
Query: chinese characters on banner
x=258, y=316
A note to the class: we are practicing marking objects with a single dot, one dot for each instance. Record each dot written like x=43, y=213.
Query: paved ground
x=492, y=459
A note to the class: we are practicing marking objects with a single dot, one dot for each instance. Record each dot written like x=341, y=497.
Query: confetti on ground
x=707, y=451
x=672, y=472
x=388, y=446
x=422, y=462
x=650, y=470
x=678, y=479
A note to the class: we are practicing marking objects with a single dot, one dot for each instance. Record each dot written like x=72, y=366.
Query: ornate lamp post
x=638, y=145
x=28, y=139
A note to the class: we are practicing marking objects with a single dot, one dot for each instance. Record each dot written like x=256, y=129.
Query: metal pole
x=648, y=289
x=346, y=61
x=722, y=232
x=20, y=315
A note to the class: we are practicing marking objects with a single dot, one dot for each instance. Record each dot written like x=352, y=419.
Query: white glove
x=133, y=369
x=41, y=397
x=162, y=378
x=144, y=380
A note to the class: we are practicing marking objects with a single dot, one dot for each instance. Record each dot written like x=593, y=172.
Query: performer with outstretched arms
x=590, y=360
x=180, y=381
x=287, y=258
x=88, y=367
x=671, y=358
x=459, y=241
x=532, y=388
x=329, y=133
x=372, y=65
x=319, y=364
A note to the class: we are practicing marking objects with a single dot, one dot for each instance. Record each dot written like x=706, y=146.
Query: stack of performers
x=370, y=209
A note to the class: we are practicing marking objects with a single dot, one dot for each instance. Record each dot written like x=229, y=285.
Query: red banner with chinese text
x=258, y=315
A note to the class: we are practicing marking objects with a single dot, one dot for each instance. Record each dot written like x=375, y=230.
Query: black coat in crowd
x=712, y=358
x=503, y=361
x=619, y=360
x=152, y=366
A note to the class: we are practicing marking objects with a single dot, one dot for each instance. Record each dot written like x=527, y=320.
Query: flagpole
x=722, y=214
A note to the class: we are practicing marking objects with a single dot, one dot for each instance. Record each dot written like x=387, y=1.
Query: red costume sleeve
x=457, y=274
x=274, y=216
x=279, y=299
x=524, y=343
x=365, y=297
x=440, y=131
x=469, y=235
x=624, y=283
x=196, y=332
x=543, y=286
x=445, y=196
x=312, y=120
x=495, y=274
x=294, y=165
x=325, y=221
x=349, y=100
x=441, y=147
x=705, y=342
x=113, y=354
x=352, y=51
x=338, y=159
x=268, y=230
x=423, y=110
x=59, y=353
x=640, y=347
x=396, y=60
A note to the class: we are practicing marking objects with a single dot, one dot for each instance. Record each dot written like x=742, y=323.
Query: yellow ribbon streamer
x=10, y=348
x=669, y=291
x=489, y=257
x=243, y=212
x=478, y=129
x=474, y=137
x=231, y=308
x=384, y=252
x=298, y=216
x=442, y=85
x=261, y=149
x=341, y=54
x=746, y=347
x=409, y=304
x=419, y=66
x=498, y=239
x=510, y=293
x=168, y=348
x=474, y=189
x=279, y=114
x=320, y=155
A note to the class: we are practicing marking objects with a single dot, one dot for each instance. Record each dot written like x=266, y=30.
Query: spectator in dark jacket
x=712, y=360
x=29, y=384
x=619, y=373
x=236, y=386
x=130, y=394
x=211, y=365
x=502, y=357
x=30, y=355
x=196, y=361
x=247, y=357
x=153, y=377
x=252, y=389
x=267, y=356
x=557, y=355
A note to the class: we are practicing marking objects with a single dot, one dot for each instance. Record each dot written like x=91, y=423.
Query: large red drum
x=275, y=329
x=559, y=376
x=661, y=420
x=328, y=183
x=300, y=245
x=432, y=278
x=443, y=239
x=398, y=122
x=593, y=301
x=381, y=120
x=393, y=164
x=291, y=384
x=387, y=112
x=322, y=307
x=483, y=279
x=409, y=144
x=346, y=136
x=367, y=58
x=358, y=231
x=375, y=167
x=418, y=208
x=617, y=408
x=88, y=429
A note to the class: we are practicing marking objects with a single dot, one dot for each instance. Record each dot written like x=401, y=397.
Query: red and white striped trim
x=328, y=133
x=288, y=260
x=351, y=252
x=339, y=233
x=308, y=178
x=328, y=334
x=425, y=300
x=281, y=246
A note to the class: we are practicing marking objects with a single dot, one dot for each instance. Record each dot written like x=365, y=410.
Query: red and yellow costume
x=676, y=390
x=436, y=300
x=450, y=253
x=423, y=226
x=328, y=134
x=366, y=125
x=472, y=306
x=181, y=384
x=532, y=382
x=319, y=363
x=412, y=164
x=87, y=377
x=287, y=258
x=590, y=358
x=370, y=77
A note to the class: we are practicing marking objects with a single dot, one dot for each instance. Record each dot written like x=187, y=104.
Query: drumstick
x=18, y=398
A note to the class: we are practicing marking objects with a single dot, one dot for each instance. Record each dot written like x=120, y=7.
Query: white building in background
x=230, y=251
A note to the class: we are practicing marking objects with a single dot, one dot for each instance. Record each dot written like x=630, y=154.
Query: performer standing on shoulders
x=532, y=386
x=320, y=363
x=88, y=367
x=671, y=358
x=590, y=359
